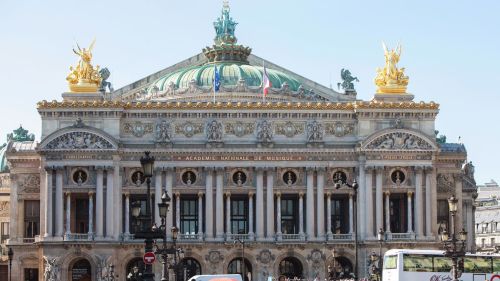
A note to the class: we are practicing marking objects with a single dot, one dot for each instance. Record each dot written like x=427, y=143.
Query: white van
x=219, y=277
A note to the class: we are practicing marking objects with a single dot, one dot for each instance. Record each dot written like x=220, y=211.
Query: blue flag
x=216, y=79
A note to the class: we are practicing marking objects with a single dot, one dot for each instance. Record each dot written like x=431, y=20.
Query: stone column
x=109, y=203
x=378, y=198
x=228, y=215
x=428, y=206
x=200, y=215
x=419, y=208
x=310, y=204
x=387, y=212
x=219, y=209
x=68, y=213
x=351, y=213
x=301, y=216
x=458, y=194
x=59, y=202
x=127, y=214
x=270, y=204
x=99, y=202
x=117, y=200
x=169, y=178
x=20, y=215
x=158, y=176
x=49, y=205
x=320, y=203
x=278, y=216
x=178, y=211
x=250, y=216
x=259, y=199
x=209, y=197
x=368, y=217
x=91, y=215
x=434, y=225
x=329, y=233
x=409, y=210
x=362, y=201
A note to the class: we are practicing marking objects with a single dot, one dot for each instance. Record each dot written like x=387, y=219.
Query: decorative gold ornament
x=390, y=79
x=84, y=78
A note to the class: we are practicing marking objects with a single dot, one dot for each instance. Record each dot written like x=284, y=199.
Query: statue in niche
x=51, y=269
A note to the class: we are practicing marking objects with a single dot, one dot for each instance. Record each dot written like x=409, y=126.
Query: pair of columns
x=54, y=213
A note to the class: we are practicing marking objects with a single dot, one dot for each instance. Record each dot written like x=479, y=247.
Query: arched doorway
x=291, y=267
x=81, y=270
x=134, y=266
x=189, y=268
x=343, y=267
x=236, y=267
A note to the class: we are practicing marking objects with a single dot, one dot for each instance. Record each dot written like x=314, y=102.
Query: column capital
x=228, y=194
x=328, y=194
x=159, y=169
x=379, y=169
x=59, y=168
x=301, y=194
x=127, y=194
x=168, y=169
x=177, y=194
x=387, y=193
x=278, y=194
x=270, y=169
x=67, y=193
x=250, y=194
x=219, y=169
x=351, y=195
x=259, y=169
x=48, y=168
x=208, y=169
x=321, y=169
x=109, y=168
x=200, y=194
x=99, y=168
x=428, y=169
x=310, y=169
x=91, y=193
x=369, y=169
x=410, y=193
x=418, y=169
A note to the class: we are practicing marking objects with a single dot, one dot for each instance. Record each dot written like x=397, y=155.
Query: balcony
x=291, y=237
x=190, y=237
x=241, y=237
x=78, y=237
x=401, y=236
x=340, y=237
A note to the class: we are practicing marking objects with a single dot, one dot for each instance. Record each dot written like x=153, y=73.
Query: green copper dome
x=230, y=74
x=3, y=159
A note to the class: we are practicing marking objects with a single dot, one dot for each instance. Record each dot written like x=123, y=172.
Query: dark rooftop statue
x=20, y=134
x=347, y=80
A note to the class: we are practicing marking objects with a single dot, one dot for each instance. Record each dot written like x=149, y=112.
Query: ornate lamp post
x=381, y=239
x=148, y=231
x=354, y=186
x=454, y=246
x=332, y=269
x=11, y=256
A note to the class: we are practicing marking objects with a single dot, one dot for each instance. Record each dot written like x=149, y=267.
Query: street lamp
x=332, y=269
x=11, y=255
x=376, y=269
x=354, y=186
x=148, y=231
x=454, y=245
x=243, y=265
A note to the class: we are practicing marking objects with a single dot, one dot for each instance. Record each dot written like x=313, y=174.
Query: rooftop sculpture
x=391, y=79
x=84, y=77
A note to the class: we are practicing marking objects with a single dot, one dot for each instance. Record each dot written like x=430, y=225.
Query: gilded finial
x=391, y=79
x=84, y=77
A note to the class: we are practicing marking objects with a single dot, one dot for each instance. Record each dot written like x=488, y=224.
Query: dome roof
x=3, y=159
x=230, y=74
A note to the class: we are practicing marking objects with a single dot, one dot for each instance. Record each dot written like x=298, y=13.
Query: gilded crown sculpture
x=391, y=79
x=84, y=77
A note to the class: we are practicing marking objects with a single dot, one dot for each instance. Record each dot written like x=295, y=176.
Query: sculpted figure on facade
x=51, y=272
x=399, y=140
x=214, y=131
x=264, y=131
x=84, y=77
x=163, y=131
x=105, y=73
x=315, y=132
x=391, y=79
x=347, y=80
x=79, y=140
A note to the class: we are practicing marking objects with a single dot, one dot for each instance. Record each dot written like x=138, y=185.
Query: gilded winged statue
x=391, y=79
x=84, y=77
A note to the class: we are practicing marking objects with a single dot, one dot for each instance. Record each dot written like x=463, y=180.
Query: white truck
x=218, y=277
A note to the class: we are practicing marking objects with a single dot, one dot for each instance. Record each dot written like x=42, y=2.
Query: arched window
x=291, y=267
x=81, y=271
x=189, y=268
x=236, y=267
x=134, y=267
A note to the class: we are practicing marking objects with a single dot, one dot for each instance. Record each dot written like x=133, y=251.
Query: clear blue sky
x=451, y=50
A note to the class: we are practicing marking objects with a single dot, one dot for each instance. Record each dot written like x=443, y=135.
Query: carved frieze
x=214, y=131
x=339, y=129
x=4, y=208
x=265, y=256
x=4, y=180
x=264, y=131
x=30, y=184
x=399, y=140
x=445, y=183
x=315, y=131
x=79, y=140
x=239, y=129
x=189, y=129
x=138, y=129
x=163, y=131
x=289, y=129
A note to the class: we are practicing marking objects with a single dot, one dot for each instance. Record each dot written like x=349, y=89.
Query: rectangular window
x=340, y=216
x=5, y=231
x=418, y=263
x=443, y=215
x=398, y=213
x=289, y=216
x=239, y=216
x=81, y=216
x=31, y=218
x=189, y=216
x=391, y=262
x=31, y=274
x=140, y=222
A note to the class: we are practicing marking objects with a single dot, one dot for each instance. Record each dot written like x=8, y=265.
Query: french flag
x=266, y=83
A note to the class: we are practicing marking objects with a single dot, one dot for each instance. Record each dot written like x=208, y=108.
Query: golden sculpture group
x=84, y=77
x=390, y=79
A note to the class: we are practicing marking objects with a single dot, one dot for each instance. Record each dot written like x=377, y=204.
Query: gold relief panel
x=138, y=129
x=289, y=129
x=339, y=129
x=239, y=129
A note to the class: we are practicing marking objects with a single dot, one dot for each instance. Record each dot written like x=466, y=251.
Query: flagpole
x=215, y=79
x=263, y=86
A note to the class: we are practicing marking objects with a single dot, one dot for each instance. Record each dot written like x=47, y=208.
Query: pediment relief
x=399, y=139
x=78, y=138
